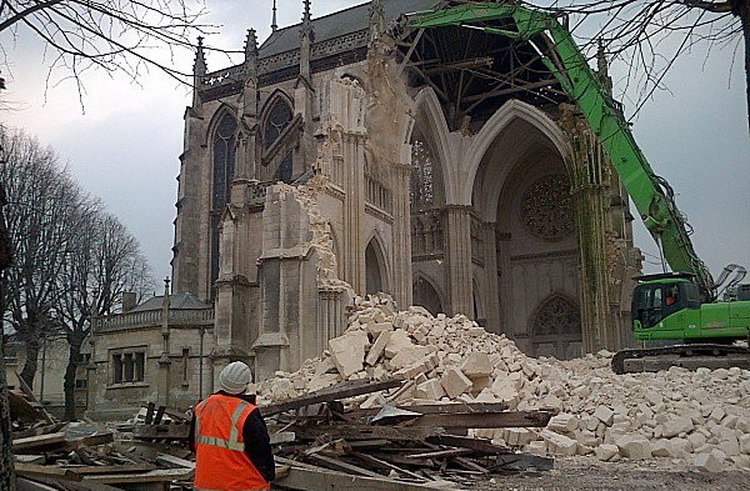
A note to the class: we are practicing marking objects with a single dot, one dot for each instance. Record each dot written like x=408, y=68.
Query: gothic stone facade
x=452, y=172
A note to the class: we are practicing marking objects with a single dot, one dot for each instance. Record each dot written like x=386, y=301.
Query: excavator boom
x=551, y=39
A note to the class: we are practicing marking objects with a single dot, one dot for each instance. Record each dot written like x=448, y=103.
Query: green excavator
x=683, y=305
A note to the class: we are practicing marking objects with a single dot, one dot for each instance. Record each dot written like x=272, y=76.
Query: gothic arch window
x=426, y=295
x=422, y=188
x=374, y=267
x=546, y=208
x=277, y=119
x=557, y=316
x=224, y=156
x=224, y=152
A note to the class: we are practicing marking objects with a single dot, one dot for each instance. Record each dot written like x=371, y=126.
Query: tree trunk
x=7, y=475
x=31, y=344
x=74, y=341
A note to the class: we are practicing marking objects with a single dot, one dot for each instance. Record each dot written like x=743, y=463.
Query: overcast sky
x=125, y=148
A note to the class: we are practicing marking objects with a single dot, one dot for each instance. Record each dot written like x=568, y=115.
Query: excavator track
x=690, y=356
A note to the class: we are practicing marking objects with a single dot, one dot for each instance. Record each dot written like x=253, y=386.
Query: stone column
x=458, y=257
x=289, y=294
x=492, y=293
x=353, y=265
x=402, y=273
x=164, y=362
x=588, y=166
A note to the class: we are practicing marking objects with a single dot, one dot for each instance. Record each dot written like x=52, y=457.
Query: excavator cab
x=659, y=296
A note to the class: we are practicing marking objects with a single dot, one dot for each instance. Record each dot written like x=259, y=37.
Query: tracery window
x=278, y=118
x=557, y=315
x=224, y=156
x=422, y=191
x=546, y=208
x=224, y=146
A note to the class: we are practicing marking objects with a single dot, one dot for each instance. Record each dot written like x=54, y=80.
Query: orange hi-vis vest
x=221, y=463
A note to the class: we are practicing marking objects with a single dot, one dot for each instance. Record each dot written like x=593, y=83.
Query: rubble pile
x=700, y=417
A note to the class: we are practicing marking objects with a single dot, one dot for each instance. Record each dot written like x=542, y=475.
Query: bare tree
x=7, y=476
x=650, y=35
x=101, y=266
x=119, y=36
x=46, y=211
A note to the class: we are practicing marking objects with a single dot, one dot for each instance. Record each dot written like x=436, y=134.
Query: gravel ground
x=587, y=474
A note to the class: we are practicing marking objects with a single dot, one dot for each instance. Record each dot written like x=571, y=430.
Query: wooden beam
x=22, y=445
x=45, y=471
x=509, y=419
x=447, y=408
x=364, y=432
x=339, y=391
x=87, y=470
x=158, y=475
x=340, y=465
x=309, y=478
x=476, y=444
x=165, y=432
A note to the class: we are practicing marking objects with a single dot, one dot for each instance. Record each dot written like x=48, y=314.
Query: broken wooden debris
x=337, y=392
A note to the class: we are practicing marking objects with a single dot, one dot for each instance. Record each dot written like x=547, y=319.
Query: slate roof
x=338, y=24
x=176, y=301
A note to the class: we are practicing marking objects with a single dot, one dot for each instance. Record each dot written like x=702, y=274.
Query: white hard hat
x=235, y=378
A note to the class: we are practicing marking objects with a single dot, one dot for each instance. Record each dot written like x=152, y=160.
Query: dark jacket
x=255, y=436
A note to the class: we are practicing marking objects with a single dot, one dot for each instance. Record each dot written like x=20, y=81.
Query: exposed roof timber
x=478, y=99
x=456, y=65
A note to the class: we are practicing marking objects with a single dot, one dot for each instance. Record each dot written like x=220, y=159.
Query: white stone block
x=634, y=447
x=476, y=365
x=563, y=423
x=378, y=347
x=606, y=452
x=399, y=340
x=675, y=426
x=661, y=448
x=454, y=382
x=708, y=462
x=559, y=444
x=605, y=415
x=348, y=352
x=432, y=389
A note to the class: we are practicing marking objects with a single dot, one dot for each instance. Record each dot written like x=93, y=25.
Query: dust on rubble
x=699, y=419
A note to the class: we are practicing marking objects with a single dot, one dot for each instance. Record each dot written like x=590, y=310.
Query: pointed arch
x=277, y=113
x=376, y=266
x=427, y=294
x=555, y=327
x=480, y=311
x=494, y=127
x=222, y=111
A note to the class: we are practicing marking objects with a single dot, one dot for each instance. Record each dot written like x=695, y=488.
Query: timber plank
x=447, y=408
x=45, y=471
x=158, y=475
x=35, y=442
x=310, y=478
x=506, y=419
x=339, y=391
x=476, y=444
x=87, y=470
x=364, y=432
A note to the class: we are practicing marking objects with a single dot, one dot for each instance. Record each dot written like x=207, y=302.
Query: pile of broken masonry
x=701, y=417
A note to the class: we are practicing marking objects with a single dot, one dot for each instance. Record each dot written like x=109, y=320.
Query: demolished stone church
x=350, y=155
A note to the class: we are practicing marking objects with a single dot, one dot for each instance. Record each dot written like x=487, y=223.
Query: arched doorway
x=375, y=272
x=556, y=328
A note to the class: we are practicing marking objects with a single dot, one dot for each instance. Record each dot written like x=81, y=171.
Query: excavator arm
x=650, y=193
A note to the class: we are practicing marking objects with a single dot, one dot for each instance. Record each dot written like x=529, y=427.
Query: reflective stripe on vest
x=205, y=489
x=234, y=442
x=221, y=461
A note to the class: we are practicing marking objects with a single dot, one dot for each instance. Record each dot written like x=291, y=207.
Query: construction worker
x=230, y=439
